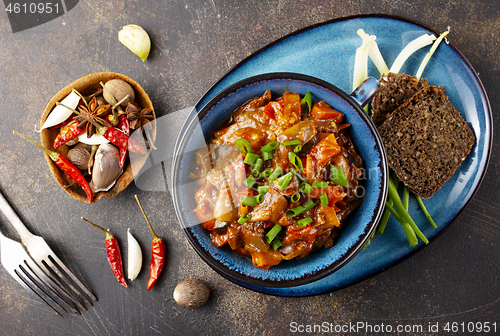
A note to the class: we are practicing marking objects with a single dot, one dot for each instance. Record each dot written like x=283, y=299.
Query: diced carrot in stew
x=321, y=110
x=325, y=149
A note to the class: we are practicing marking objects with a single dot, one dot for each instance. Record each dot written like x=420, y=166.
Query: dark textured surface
x=455, y=279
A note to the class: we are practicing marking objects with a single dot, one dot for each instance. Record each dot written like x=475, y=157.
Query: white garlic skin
x=134, y=263
x=106, y=168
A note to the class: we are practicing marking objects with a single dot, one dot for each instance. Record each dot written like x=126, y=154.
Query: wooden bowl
x=86, y=86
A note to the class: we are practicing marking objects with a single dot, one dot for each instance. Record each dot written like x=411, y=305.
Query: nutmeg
x=191, y=293
x=119, y=89
x=79, y=156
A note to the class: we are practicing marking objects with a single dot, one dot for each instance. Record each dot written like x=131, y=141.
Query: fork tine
x=48, y=283
x=57, y=277
x=32, y=282
x=63, y=267
x=28, y=285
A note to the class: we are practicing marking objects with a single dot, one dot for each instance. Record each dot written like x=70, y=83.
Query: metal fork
x=45, y=259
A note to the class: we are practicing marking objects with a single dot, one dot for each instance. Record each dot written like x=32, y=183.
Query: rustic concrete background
x=195, y=42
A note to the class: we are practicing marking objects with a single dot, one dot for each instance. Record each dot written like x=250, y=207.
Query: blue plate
x=326, y=51
x=357, y=229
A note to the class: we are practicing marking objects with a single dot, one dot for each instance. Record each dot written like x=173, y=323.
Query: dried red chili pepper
x=113, y=253
x=68, y=133
x=157, y=253
x=66, y=166
x=124, y=124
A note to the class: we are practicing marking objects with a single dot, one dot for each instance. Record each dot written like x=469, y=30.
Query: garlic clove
x=136, y=39
x=134, y=257
x=61, y=113
x=93, y=140
x=106, y=168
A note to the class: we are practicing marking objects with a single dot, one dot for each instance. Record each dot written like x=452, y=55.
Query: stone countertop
x=453, y=280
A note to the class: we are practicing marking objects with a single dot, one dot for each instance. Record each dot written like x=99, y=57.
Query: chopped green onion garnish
x=273, y=233
x=260, y=198
x=262, y=189
x=300, y=209
x=248, y=200
x=295, y=197
x=304, y=221
x=297, y=149
x=291, y=143
x=305, y=188
x=267, y=155
x=266, y=173
x=249, y=181
x=243, y=218
x=256, y=168
x=243, y=145
x=275, y=174
x=309, y=205
x=284, y=180
x=324, y=199
x=338, y=176
x=307, y=102
x=251, y=158
x=270, y=146
x=276, y=244
x=320, y=184
x=296, y=161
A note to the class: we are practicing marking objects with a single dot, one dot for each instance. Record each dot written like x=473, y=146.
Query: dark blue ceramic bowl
x=357, y=229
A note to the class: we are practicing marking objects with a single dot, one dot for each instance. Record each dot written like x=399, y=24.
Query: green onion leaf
x=260, y=198
x=284, y=180
x=270, y=146
x=297, y=149
x=243, y=145
x=267, y=155
x=296, y=161
x=305, y=188
x=251, y=158
x=303, y=222
x=338, y=176
x=320, y=185
x=291, y=143
x=295, y=211
x=300, y=209
x=262, y=189
x=249, y=181
x=275, y=174
x=243, y=218
x=295, y=197
x=266, y=173
x=256, y=168
x=309, y=205
x=324, y=199
x=276, y=244
x=248, y=200
x=307, y=102
x=273, y=233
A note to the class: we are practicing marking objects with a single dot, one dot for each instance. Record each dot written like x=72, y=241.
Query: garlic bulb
x=106, y=168
x=134, y=257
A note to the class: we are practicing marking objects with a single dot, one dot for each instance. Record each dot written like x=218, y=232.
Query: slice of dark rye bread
x=426, y=140
x=394, y=90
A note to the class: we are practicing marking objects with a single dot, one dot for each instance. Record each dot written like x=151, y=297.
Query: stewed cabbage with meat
x=277, y=179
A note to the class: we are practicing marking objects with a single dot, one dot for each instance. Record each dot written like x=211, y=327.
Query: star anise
x=138, y=117
x=94, y=112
